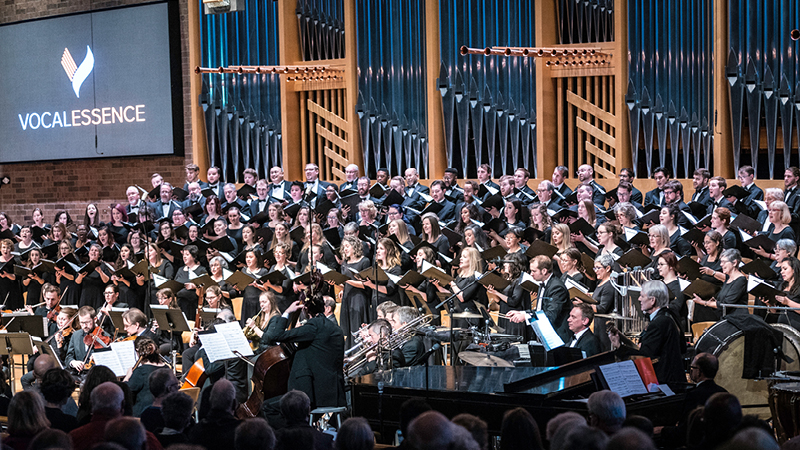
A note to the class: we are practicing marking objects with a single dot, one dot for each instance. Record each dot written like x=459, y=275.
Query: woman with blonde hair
x=388, y=259
x=469, y=267
x=269, y=310
x=658, y=237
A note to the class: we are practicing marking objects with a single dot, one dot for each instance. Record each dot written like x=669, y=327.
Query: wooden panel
x=601, y=154
x=331, y=136
x=330, y=153
x=596, y=132
x=327, y=115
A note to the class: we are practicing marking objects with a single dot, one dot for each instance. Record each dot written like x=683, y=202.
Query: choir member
x=254, y=267
x=790, y=273
x=513, y=297
x=355, y=298
x=187, y=296
x=669, y=219
x=734, y=289
x=70, y=291
x=92, y=283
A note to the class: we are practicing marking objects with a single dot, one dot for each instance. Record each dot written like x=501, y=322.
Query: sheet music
x=216, y=347
x=109, y=359
x=623, y=378
x=126, y=352
x=544, y=331
x=234, y=337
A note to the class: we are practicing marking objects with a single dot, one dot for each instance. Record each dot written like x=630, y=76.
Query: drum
x=726, y=342
x=784, y=403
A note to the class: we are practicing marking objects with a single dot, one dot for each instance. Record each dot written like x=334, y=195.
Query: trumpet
x=386, y=343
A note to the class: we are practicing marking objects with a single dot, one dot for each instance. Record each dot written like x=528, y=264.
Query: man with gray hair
x=218, y=428
x=606, y=411
x=414, y=349
x=662, y=338
x=107, y=404
x=127, y=432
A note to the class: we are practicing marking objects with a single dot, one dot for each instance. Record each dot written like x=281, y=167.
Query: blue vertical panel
x=488, y=102
x=242, y=111
x=392, y=107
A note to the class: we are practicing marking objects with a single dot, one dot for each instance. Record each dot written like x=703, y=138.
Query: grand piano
x=488, y=392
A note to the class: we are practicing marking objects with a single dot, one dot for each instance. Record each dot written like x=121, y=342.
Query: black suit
x=564, y=190
x=662, y=339
x=256, y=207
x=448, y=211
x=419, y=188
x=598, y=193
x=656, y=197
x=792, y=199
x=588, y=343
x=722, y=203
x=318, y=361
x=556, y=306
x=158, y=209
x=352, y=185
x=218, y=189
x=413, y=351
x=699, y=395
x=286, y=188
x=636, y=196
x=455, y=192
x=701, y=196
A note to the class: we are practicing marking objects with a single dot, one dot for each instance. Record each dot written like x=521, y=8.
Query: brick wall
x=71, y=185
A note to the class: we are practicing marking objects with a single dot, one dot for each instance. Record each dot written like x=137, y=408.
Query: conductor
x=318, y=361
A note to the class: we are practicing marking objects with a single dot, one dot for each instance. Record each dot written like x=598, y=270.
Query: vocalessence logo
x=81, y=117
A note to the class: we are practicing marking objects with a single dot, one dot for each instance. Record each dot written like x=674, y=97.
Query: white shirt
x=577, y=337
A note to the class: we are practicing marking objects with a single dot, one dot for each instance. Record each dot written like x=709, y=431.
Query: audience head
x=630, y=438
x=430, y=431
x=704, y=367
x=57, y=386
x=254, y=434
x=752, y=438
x=721, y=416
x=410, y=410
x=641, y=423
x=519, y=431
x=476, y=427
x=176, y=409
x=355, y=434
x=127, y=432
x=26, y=414
x=108, y=399
x=295, y=407
x=554, y=424
x=582, y=437
x=51, y=439
x=606, y=410
x=223, y=395
x=163, y=382
x=96, y=376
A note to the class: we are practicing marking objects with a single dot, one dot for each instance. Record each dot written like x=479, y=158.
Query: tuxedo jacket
x=448, y=211
x=420, y=188
x=589, y=344
x=702, y=196
x=158, y=209
x=556, y=306
x=218, y=189
x=722, y=203
x=352, y=185
x=654, y=197
x=636, y=196
x=564, y=190
x=286, y=187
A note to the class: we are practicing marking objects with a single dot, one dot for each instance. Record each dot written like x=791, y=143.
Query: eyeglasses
x=108, y=293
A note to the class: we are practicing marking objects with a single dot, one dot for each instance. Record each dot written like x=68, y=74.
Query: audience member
x=355, y=434
x=409, y=411
x=176, y=410
x=107, y=403
x=162, y=383
x=554, y=424
x=127, y=432
x=722, y=415
x=218, y=428
x=641, y=423
x=584, y=437
x=476, y=427
x=630, y=438
x=432, y=431
x=752, y=438
x=606, y=411
x=26, y=418
x=519, y=431
x=295, y=409
x=96, y=376
x=51, y=440
x=254, y=434
x=57, y=386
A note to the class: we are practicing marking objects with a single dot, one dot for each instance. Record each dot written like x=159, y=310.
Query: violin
x=52, y=314
x=96, y=339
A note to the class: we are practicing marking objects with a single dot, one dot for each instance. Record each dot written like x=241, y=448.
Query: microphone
x=430, y=352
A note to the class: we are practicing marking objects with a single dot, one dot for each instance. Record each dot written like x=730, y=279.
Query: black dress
x=786, y=233
x=391, y=295
x=166, y=270
x=679, y=245
x=70, y=291
x=677, y=305
x=605, y=294
x=287, y=297
x=354, y=309
x=187, y=298
x=10, y=290
x=92, y=288
x=471, y=293
x=34, y=288
x=729, y=240
x=250, y=295
x=518, y=300
x=732, y=293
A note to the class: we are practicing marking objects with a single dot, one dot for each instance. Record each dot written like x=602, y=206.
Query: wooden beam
x=600, y=154
x=199, y=138
x=721, y=125
x=620, y=57
x=595, y=132
x=355, y=153
x=547, y=143
x=592, y=109
x=327, y=115
x=289, y=51
x=437, y=156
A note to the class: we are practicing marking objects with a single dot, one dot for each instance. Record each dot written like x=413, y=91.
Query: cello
x=272, y=367
x=196, y=376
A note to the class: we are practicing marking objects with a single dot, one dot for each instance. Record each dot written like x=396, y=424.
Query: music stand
x=31, y=324
x=116, y=317
x=169, y=319
x=208, y=315
x=46, y=349
x=15, y=344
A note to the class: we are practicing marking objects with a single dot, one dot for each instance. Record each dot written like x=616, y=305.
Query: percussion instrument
x=726, y=342
x=484, y=360
x=784, y=403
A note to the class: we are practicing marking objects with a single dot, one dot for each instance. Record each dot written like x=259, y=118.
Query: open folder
x=226, y=342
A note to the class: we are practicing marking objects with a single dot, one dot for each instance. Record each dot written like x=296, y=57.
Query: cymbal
x=614, y=316
x=466, y=315
x=484, y=360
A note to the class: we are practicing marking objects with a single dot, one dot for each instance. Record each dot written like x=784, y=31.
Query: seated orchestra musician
x=84, y=339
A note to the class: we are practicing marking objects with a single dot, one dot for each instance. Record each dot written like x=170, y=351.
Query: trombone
x=386, y=343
